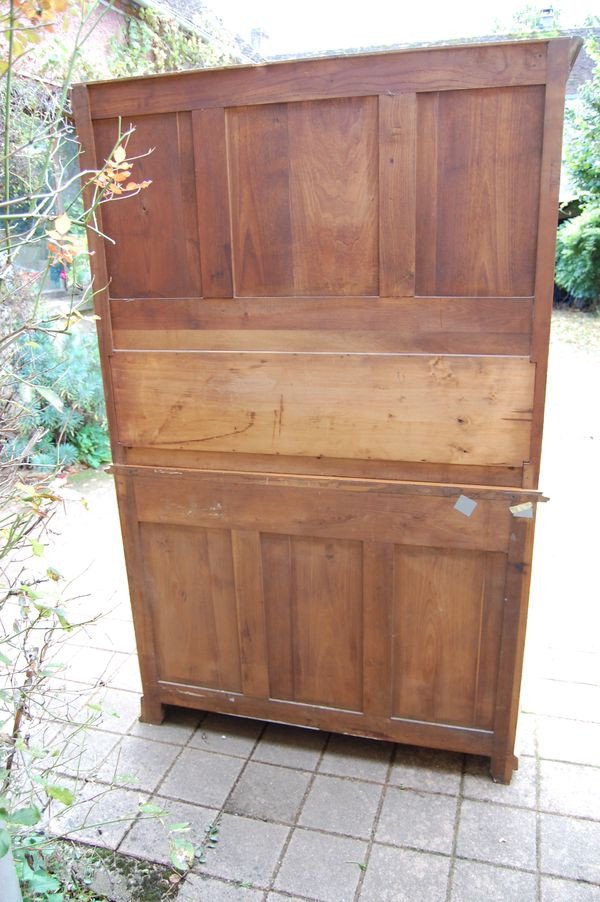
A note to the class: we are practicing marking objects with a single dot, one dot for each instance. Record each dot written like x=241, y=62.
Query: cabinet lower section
x=358, y=606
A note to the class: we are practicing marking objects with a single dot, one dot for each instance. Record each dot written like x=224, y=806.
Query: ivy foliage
x=156, y=43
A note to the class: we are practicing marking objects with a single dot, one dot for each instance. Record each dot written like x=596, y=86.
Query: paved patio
x=304, y=815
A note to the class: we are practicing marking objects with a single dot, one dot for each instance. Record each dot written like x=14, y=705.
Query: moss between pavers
x=91, y=874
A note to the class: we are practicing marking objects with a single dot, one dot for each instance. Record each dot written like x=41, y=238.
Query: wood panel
x=378, y=588
x=397, y=193
x=500, y=326
x=304, y=198
x=431, y=69
x=204, y=500
x=322, y=584
x=193, y=604
x=212, y=199
x=446, y=409
x=478, y=191
x=353, y=723
x=155, y=251
x=258, y=147
x=333, y=197
x=441, y=613
x=318, y=466
x=251, y=612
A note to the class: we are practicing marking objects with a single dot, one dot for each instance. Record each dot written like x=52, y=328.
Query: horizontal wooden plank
x=433, y=735
x=415, y=471
x=502, y=343
x=439, y=68
x=381, y=486
x=411, y=519
x=419, y=325
x=389, y=407
x=420, y=315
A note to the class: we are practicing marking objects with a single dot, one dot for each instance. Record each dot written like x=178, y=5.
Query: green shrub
x=578, y=256
x=62, y=400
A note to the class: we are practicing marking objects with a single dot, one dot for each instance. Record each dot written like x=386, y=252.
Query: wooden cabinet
x=324, y=335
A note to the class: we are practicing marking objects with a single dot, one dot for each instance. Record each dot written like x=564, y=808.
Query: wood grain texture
x=444, y=409
x=437, y=617
x=313, y=510
x=248, y=576
x=143, y=622
x=176, y=565
x=433, y=69
x=480, y=205
x=258, y=149
x=318, y=466
x=333, y=196
x=303, y=196
x=323, y=629
x=196, y=635
x=276, y=553
x=397, y=194
x=156, y=250
x=212, y=199
x=352, y=723
x=559, y=61
x=378, y=588
x=512, y=647
x=510, y=496
x=478, y=326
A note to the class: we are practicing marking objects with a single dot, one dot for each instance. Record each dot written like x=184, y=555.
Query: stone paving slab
x=477, y=882
x=400, y=875
x=417, y=820
x=341, y=806
x=269, y=792
x=247, y=850
x=321, y=867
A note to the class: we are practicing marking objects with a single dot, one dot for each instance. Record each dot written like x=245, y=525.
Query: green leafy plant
x=156, y=43
x=578, y=256
x=583, y=133
x=578, y=244
x=60, y=389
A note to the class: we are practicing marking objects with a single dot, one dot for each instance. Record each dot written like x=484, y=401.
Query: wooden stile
x=322, y=326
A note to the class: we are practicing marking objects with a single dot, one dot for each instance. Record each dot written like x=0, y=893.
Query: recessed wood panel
x=304, y=198
x=320, y=582
x=446, y=611
x=478, y=181
x=258, y=148
x=386, y=407
x=156, y=249
x=190, y=587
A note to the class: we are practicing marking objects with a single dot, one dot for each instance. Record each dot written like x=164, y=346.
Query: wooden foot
x=152, y=711
x=502, y=768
